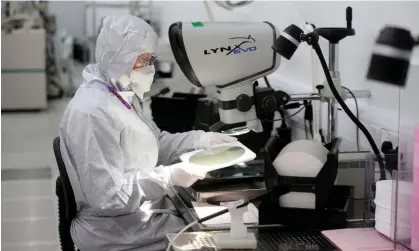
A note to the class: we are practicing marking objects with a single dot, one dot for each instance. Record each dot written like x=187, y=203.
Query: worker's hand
x=179, y=177
x=210, y=139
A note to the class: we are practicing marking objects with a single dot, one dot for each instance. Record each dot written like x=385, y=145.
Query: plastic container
x=401, y=203
x=386, y=214
x=393, y=209
x=386, y=228
x=385, y=194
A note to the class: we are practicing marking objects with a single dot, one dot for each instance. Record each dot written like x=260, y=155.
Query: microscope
x=232, y=56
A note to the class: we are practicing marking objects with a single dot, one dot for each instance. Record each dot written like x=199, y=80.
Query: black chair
x=67, y=206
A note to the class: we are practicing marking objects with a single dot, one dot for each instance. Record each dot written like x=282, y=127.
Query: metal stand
x=332, y=109
x=334, y=35
x=332, y=115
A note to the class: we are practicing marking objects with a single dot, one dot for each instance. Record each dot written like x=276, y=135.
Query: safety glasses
x=147, y=60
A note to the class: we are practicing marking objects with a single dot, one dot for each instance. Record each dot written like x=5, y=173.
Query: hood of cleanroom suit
x=120, y=42
x=114, y=156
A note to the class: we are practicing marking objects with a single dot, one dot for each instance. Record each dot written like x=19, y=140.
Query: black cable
x=267, y=81
x=284, y=122
x=357, y=114
x=286, y=117
x=305, y=118
x=348, y=111
x=308, y=116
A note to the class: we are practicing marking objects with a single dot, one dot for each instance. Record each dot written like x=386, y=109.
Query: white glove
x=209, y=139
x=179, y=177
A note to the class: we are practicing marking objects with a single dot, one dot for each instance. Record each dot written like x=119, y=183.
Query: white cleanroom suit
x=118, y=161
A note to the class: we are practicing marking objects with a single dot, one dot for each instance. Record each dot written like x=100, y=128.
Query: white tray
x=200, y=162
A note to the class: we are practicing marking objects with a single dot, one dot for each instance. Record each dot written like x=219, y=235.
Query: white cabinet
x=23, y=70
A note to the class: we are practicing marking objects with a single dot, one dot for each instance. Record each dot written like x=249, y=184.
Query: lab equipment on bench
x=231, y=56
x=239, y=228
x=288, y=42
x=300, y=158
x=322, y=185
x=203, y=209
x=238, y=205
x=313, y=200
x=238, y=238
x=269, y=239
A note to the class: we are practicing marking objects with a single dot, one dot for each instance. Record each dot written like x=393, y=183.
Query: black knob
x=386, y=147
x=244, y=102
x=269, y=104
x=319, y=88
x=349, y=17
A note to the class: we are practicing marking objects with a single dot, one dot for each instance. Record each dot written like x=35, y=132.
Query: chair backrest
x=69, y=200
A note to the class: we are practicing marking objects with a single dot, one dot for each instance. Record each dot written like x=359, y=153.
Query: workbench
x=270, y=237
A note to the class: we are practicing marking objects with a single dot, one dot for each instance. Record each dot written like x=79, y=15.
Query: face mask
x=141, y=80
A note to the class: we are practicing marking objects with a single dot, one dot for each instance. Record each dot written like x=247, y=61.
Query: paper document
x=205, y=209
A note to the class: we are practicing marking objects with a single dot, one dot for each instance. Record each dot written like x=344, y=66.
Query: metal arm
x=316, y=96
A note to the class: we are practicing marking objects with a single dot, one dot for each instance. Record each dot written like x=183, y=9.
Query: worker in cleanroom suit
x=118, y=162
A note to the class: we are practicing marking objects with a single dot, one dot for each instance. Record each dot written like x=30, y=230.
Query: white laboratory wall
x=77, y=17
x=382, y=110
x=69, y=16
